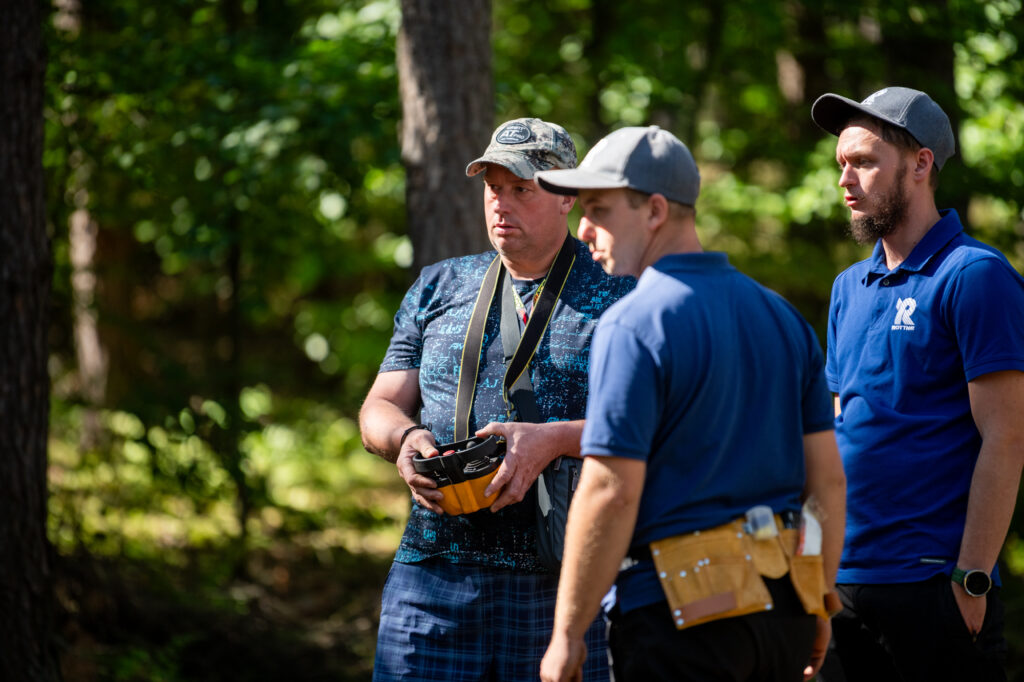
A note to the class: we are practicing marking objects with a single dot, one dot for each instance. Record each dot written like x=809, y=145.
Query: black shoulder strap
x=471, y=348
x=517, y=388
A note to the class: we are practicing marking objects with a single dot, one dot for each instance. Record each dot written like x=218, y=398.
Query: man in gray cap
x=689, y=500
x=467, y=598
x=925, y=357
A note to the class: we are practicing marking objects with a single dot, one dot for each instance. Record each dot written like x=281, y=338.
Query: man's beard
x=892, y=209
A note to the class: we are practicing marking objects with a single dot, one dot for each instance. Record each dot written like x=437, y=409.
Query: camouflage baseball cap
x=527, y=145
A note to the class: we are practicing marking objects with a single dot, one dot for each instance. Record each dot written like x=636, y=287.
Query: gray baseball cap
x=911, y=110
x=649, y=160
x=525, y=146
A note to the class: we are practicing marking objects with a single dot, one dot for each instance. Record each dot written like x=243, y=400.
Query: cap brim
x=832, y=112
x=570, y=180
x=514, y=162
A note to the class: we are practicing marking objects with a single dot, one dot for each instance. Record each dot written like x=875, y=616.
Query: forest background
x=227, y=205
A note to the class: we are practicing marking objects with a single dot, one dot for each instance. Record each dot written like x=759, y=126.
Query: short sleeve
x=406, y=348
x=625, y=405
x=831, y=360
x=985, y=309
x=818, y=413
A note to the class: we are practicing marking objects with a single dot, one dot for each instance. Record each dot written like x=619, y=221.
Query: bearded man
x=926, y=361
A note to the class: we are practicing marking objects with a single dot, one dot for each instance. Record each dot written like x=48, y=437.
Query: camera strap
x=519, y=348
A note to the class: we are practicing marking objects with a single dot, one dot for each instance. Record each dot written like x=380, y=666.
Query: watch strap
x=405, y=434
x=961, y=577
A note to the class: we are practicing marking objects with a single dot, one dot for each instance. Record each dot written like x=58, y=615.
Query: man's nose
x=846, y=177
x=499, y=200
x=586, y=230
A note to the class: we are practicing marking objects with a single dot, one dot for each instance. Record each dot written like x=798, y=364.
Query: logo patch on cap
x=873, y=96
x=514, y=133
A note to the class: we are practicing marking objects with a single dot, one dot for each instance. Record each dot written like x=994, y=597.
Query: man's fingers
x=424, y=502
x=503, y=475
x=493, y=429
x=514, y=492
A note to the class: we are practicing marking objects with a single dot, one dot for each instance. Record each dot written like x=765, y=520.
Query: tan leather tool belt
x=717, y=573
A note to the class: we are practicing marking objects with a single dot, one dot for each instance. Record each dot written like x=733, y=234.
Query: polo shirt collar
x=703, y=260
x=940, y=234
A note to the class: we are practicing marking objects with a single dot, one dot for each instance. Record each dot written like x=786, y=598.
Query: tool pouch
x=463, y=474
x=717, y=573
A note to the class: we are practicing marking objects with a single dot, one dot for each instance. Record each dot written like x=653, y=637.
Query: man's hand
x=972, y=609
x=528, y=449
x=424, y=489
x=563, y=661
x=820, y=648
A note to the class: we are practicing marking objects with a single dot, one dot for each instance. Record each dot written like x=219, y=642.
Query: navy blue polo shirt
x=712, y=380
x=902, y=345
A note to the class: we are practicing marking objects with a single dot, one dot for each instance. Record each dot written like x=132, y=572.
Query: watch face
x=977, y=583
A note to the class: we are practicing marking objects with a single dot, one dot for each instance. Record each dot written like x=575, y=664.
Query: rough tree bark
x=26, y=558
x=444, y=73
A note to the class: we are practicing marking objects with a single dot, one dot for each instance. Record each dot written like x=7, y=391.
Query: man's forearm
x=997, y=402
x=565, y=436
x=990, y=505
x=826, y=486
x=382, y=424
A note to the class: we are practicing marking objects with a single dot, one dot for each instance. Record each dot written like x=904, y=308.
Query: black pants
x=912, y=631
x=772, y=646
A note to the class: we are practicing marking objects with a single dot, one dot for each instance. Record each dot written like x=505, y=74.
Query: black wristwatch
x=975, y=582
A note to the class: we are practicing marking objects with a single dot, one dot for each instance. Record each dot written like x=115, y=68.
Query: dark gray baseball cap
x=649, y=160
x=525, y=146
x=911, y=110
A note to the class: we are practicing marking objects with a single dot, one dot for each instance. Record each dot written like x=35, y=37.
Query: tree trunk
x=26, y=559
x=92, y=357
x=444, y=74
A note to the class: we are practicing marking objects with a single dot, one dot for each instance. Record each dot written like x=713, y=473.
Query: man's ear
x=657, y=211
x=567, y=203
x=924, y=159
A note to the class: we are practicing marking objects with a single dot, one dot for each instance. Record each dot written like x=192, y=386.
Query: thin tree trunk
x=92, y=357
x=444, y=69
x=26, y=557
x=83, y=235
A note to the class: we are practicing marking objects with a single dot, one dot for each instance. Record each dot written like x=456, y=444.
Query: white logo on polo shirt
x=905, y=307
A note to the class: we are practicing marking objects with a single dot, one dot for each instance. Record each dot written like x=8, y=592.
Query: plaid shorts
x=459, y=623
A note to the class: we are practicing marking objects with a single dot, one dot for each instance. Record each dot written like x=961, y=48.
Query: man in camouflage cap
x=468, y=597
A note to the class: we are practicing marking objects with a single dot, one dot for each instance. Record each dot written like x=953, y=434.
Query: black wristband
x=405, y=434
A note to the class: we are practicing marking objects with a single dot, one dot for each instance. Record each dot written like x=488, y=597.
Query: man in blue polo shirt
x=707, y=399
x=925, y=354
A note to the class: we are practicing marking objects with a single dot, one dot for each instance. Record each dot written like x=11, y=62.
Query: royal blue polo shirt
x=902, y=345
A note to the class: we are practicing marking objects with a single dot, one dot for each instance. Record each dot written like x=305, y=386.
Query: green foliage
x=241, y=161
x=161, y=492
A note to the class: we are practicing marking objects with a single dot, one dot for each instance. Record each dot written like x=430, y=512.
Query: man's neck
x=901, y=242
x=671, y=239
x=529, y=266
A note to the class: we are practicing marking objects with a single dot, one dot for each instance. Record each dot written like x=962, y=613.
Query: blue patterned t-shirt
x=430, y=328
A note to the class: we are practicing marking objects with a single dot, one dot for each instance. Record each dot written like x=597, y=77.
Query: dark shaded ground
x=296, y=614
